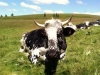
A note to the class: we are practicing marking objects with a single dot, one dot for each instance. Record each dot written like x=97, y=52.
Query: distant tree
x=1, y=16
x=5, y=15
x=57, y=15
x=44, y=14
x=12, y=14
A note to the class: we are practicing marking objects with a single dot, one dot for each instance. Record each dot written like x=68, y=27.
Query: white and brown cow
x=48, y=43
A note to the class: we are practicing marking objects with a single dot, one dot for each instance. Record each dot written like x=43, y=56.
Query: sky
x=26, y=7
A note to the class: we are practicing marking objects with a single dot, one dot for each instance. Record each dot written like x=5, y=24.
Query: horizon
x=47, y=14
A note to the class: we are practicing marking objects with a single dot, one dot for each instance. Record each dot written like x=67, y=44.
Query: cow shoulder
x=36, y=38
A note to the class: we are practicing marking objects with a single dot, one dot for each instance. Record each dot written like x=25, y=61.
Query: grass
x=83, y=52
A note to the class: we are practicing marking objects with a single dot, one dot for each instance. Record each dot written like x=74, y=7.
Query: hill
x=83, y=52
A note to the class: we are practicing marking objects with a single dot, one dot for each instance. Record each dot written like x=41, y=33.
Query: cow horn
x=66, y=22
x=41, y=25
x=52, y=18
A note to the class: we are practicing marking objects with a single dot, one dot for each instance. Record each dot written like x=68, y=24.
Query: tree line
x=53, y=15
x=7, y=15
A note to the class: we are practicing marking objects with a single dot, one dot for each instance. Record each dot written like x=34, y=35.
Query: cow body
x=36, y=43
x=94, y=23
x=83, y=25
x=48, y=43
x=88, y=24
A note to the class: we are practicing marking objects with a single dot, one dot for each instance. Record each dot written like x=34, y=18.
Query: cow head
x=53, y=28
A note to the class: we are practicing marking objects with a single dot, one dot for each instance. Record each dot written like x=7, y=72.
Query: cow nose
x=53, y=55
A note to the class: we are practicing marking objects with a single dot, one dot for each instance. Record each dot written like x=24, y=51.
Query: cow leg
x=22, y=41
x=32, y=59
x=34, y=55
x=21, y=49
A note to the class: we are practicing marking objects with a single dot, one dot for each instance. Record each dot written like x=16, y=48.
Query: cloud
x=51, y=1
x=59, y=11
x=89, y=13
x=94, y=13
x=14, y=4
x=12, y=10
x=79, y=1
x=35, y=7
x=75, y=12
x=3, y=4
x=50, y=11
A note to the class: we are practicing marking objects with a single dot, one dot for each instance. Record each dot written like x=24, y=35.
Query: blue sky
x=25, y=7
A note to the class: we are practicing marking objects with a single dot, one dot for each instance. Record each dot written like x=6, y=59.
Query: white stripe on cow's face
x=52, y=27
x=51, y=32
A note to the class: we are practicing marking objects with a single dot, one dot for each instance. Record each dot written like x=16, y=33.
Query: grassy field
x=83, y=52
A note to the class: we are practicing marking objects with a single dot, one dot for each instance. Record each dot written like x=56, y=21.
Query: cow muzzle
x=52, y=55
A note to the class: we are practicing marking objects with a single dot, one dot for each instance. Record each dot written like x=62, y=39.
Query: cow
x=94, y=23
x=47, y=43
x=88, y=24
x=98, y=20
x=84, y=25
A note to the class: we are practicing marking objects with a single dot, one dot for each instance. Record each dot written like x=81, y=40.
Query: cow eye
x=59, y=31
x=59, y=35
x=47, y=24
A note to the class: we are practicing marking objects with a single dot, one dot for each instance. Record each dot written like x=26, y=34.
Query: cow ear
x=69, y=30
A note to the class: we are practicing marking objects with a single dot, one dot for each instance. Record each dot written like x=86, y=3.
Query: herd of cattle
x=48, y=42
x=88, y=24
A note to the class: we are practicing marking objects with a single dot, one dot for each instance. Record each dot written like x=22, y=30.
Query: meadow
x=83, y=51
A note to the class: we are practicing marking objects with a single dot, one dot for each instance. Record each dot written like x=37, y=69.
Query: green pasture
x=83, y=51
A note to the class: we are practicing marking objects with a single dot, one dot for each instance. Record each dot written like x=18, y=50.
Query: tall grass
x=82, y=56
